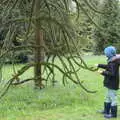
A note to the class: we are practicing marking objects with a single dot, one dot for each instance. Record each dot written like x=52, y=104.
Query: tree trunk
x=39, y=51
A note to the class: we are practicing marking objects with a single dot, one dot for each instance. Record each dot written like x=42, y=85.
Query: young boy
x=111, y=81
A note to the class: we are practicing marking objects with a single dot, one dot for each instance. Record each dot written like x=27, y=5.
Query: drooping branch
x=49, y=66
x=8, y=84
x=23, y=81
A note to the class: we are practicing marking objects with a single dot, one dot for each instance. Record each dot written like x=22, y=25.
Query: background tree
x=109, y=24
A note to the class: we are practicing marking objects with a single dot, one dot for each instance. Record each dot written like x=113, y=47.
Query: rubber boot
x=113, y=113
x=107, y=110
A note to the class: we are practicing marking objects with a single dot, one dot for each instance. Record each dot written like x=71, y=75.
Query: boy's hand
x=96, y=65
x=100, y=71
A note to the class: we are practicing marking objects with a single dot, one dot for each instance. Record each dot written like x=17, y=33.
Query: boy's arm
x=111, y=71
x=104, y=66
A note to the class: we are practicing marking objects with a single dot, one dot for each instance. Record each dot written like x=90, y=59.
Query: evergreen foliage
x=110, y=26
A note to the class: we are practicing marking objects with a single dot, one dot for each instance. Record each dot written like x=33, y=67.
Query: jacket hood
x=116, y=58
x=110, y=52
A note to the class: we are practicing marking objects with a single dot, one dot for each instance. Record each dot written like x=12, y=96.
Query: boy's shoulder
x=116, y=59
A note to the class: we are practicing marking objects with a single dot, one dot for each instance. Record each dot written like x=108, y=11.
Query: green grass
x=23, y=102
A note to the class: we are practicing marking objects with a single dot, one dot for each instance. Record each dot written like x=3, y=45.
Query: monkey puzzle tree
x=47, y=31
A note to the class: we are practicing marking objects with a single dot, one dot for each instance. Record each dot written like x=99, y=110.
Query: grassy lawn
x=23, y=102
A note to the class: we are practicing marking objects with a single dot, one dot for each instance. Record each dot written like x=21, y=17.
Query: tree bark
x=39, y=51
